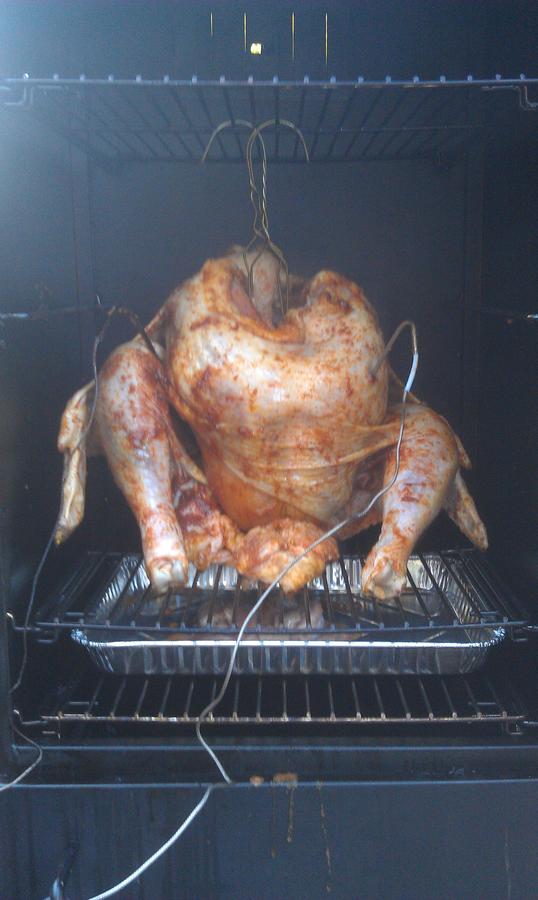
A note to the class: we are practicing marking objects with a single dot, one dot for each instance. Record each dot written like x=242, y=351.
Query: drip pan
x=443, y=623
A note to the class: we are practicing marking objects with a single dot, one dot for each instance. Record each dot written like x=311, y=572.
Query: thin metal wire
x=328, y=534
x=407, y=323
x=258, y=196
x=260, y=225
x=222, y=127
x=161, y=850
x=30, y=768
x=115, y=310
x=31, y=601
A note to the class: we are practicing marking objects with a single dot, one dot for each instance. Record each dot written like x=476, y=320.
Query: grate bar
x=78, y=579
x=340, y=126
x=231, y=115
x=211, y=123
x=156, y=132
x=464, y=587
x=306, y=604
x=426, y=699
x=411, y=115
x=235, y=710
x=439, y=591
x=497, y=700
x=349, y=593
x=332, y=715
x=164, y=701
x=328, y=601
x=213, y=600
x=119, y=693
x=476, y=577
x=93, y=700
x=173, y=94
x=190, y=692
x=141, y=698
x=403, y=700
x=354, y=694
x=299, y=122
x=382, y=713
x=376, y=98
x=126, y=127
x=489, y=579
x=432, y=114
x=72, y=116
x=118, y=606
x=365, y=699
x=457, y=594
x=277, y=123
x=390, y=115
x=472, y=698
x=317, y=129
x=418, y=596
x=308, y=709
x=205, y=101
x=448, y=698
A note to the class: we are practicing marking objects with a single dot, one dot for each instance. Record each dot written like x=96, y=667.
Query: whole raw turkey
x=294, y=429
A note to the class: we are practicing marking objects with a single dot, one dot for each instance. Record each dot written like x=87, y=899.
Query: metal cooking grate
x=110, y=593
x=121, y=120
x=301, y=700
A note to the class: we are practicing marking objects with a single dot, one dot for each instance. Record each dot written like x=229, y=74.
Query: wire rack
x=126, y=120
x=110, y=592
x=360, y=700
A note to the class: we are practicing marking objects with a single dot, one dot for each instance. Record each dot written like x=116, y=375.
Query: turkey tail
x=461, y=508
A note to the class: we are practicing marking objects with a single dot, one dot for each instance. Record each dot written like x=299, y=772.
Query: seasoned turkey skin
x=275, y=410
x=295, y=433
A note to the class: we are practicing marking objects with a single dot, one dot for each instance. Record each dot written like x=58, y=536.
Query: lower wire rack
x=269, y=700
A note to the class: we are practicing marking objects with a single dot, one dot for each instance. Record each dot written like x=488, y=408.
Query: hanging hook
x=258, y=196
x=260, y=225
x=222, y=127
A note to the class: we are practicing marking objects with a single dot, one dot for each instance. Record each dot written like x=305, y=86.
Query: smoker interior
x=423, y=188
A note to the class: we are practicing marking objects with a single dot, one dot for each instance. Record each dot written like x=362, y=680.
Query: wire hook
x=222, y=127
x=258, y=196
x=260, y=224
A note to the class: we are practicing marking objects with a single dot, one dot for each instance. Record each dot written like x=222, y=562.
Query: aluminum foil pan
x=435, y=627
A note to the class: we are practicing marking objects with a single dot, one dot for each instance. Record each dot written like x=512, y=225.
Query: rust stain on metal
x=285, y=778
x=291, y=801
x=323, y=818
x=273, y=821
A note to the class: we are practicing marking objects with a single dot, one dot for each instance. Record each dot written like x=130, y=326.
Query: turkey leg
x=145, y=456
x=428, y=467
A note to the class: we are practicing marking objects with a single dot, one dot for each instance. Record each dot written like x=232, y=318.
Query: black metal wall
x=377, y=841
x=507, y=463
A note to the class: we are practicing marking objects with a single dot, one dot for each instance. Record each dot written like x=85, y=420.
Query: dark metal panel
x=5, y=700
x=508, y=411
x=377, y=841
x=469, y=309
